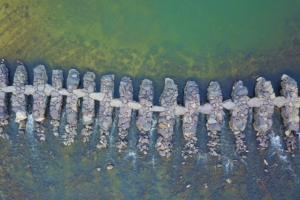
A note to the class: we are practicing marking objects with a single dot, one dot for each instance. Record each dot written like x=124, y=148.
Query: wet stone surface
x=126, y=95
x=105, y=109
x=190, y=119
x=18, y=98
x=56, y=100
x=144, y=118
x=239, y=115
x=88, y=105
x=71, y=108
x=3, y=100
x=263, y=114
x=166, y=119
x=215, y=118
x=290, y=111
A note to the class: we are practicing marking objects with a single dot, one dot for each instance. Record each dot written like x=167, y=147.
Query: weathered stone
x=97, y=96
x=20, y=115
x=48, y=89
x=180, y=110
x=116, y=103
x=254, y=102
x=157, y=109
x=79, y=93
x=134, y=105
x=228, y=104
x=8, y=89
x=205, y=109
x=279, y=101
x=63, y=92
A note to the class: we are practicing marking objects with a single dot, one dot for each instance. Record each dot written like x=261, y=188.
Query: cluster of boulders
x=3, y=99
x=290, y=111
x=71, y=108
x=215, y=118
x=144, y=119
x=18, y=98
x=263, y=114
x=126, y=95
x=190, y=119
x=105, y=109
x=88, y=105
x=239, y=115
x=40, y=79
x=166, y=118
x=56, y=100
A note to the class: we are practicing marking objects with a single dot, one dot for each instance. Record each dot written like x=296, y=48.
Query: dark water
x=50, y=170
x=183, y=40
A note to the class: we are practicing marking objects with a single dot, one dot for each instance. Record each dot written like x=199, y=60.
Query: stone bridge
x=239, y=105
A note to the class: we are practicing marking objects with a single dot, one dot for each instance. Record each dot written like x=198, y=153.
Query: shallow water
x=183, y=40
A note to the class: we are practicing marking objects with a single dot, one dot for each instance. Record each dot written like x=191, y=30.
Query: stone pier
x=290, y=111
x=239, y=105
x=56, y=100
x=166, y=118
x=126, y=95
x=144, y=118
x=40, y=98
x=71, y=107
x=105, y=109
x=190, y=118
x=18, y=98
x=88, y=105
x=3, y=99
x=263, y=114
x=215, y=117
x=239, y=115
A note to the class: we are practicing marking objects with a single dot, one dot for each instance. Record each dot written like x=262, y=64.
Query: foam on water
x=63, y=121
x=131, y=156
x=133, y=130
x=30, y=127
x=153, y=127
x=276, y=144
x=176, y=154
x=227, y=165
x=95, y=130
x=277, y=148
x=153, y=163
x=114, y=128
x=227, y=147
x=201, y=157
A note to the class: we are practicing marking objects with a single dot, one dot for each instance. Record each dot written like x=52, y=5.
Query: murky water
x=183, y=40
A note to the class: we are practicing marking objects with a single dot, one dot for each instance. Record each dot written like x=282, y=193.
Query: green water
x=198, y=40
x=202, y=39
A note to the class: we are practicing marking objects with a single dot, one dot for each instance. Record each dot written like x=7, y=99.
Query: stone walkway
x=263, y=105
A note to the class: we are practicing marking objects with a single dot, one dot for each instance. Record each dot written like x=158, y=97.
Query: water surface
x=183, y=40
